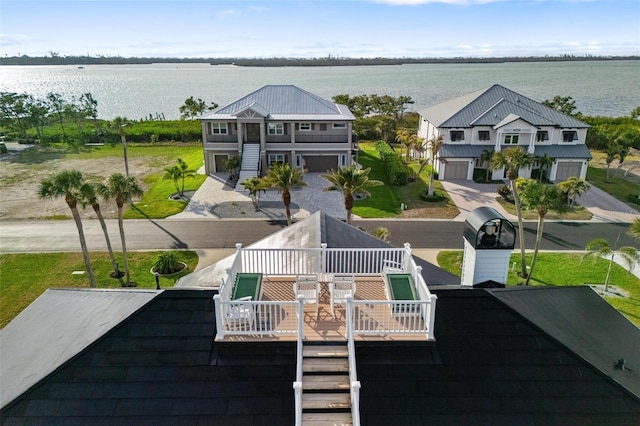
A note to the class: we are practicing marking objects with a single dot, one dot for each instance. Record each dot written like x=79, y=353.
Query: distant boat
x=80, y=68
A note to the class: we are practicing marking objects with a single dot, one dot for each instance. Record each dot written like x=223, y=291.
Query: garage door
x=320, y=163
x=456, y=170
x=566, y=169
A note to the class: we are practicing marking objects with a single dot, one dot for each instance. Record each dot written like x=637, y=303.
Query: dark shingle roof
x=493, y=362
x=564, y=151
x=490, y=106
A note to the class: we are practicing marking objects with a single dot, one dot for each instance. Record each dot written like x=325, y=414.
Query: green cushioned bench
x=247, y=285
x=400, y=287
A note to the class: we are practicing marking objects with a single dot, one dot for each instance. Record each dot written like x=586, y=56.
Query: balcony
x=370, y=314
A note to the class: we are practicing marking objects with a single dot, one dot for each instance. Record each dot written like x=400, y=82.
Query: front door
x=253, y=132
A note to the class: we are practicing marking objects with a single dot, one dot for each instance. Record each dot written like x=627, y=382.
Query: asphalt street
x=143, y=234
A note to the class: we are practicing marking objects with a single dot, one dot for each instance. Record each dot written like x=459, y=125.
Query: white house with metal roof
x=278, y=123
x=494, y=118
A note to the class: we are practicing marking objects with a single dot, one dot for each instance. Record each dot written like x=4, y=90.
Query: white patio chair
x=341, y=286
x=241, y=316
x=307, y=286
x=392, y=267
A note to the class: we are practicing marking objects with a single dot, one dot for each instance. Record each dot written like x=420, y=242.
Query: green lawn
x=576, y=213
x=22, y=283
x=155, y=203
x=623, y=189
x=385, y=200
x=567, y=269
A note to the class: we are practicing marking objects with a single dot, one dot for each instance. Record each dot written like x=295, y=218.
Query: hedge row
x=396, y=170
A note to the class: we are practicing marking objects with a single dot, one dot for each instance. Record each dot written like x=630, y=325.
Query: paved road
x=35, y=236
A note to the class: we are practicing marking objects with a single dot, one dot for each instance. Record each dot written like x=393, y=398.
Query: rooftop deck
x=326, y=327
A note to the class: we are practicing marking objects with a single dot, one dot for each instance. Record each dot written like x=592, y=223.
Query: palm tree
x=184, y=172
x=89, y=193
x=254, y=186
x=67, y=184
x=173, y=173
x=485, y=159
x=350, y=180
x=601, y=248
x=513, y=159
x=541, y=198
x=122, y=189
x=434, y=146
x=634, y=228
x=545, y=163
x=283, y=177
x=573, y=188
x=409, y=140
x=118, y=124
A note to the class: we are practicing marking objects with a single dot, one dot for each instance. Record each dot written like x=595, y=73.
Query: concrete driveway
x=469, y=195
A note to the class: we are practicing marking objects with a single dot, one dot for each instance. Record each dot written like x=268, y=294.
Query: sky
x=314, y=29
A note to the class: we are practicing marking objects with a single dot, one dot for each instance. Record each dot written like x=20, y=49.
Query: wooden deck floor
x=326, y=327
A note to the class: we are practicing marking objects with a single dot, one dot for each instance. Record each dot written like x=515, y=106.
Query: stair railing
x=297, y=385
x=354, y=384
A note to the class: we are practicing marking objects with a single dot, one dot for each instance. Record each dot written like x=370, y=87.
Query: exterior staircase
x=249, y=166
x=326, y=398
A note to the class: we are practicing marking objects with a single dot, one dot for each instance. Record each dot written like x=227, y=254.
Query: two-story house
x=495, y=118
x=278, y=124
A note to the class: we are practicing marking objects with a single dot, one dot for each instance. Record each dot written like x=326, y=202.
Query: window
x=323, y=127
x=218, y=128
x=339, y=125
x=456, y=135
x=276, y=129
x=511, y=139
x=277, y=158
x=483, y=135
x=343, y=160
x=305, y=127
x=569, y=136
x=542, y=136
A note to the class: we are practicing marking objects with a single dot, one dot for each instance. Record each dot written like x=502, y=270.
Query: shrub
x=3, y=148
x=505, y=192
x=396, y=170
x=167, y=263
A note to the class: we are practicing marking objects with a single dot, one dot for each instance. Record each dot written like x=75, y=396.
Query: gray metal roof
x=490, y=106
x=463, y=151
x=74, y=319
x=286, y=102
x=564, y=151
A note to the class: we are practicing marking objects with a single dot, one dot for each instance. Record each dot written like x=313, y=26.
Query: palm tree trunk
x=286, y=199
x=348, y=205
x=124, y=248
x=83, y=245
x=103, y=225
x=123, y=139
x=516, y=200
x=606, y=280
x=535, y=250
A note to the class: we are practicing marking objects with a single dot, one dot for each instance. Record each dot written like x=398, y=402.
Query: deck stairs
x=249, y=166
x=326, y=398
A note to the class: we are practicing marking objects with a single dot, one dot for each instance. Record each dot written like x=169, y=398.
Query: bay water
x=608, y=88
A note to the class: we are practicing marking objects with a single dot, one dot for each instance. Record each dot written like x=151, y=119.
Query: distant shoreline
x=297, y=62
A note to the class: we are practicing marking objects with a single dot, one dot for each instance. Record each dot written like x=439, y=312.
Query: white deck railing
x=369, y=317
x=297, y=385
x=354, y=383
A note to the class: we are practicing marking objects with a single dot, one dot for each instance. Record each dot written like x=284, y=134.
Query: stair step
x=327, y=419
x=325, y=351
x=325, y=365
x=325, y=382
x=325, y=401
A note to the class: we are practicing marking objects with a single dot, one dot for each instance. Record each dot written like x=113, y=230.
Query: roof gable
x=490, y=106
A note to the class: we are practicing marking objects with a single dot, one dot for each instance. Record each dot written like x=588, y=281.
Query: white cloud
x=228, y=12
x=420, y=2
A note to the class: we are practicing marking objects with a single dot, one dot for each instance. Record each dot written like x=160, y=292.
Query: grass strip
x=567, y=269
x=23, y=282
